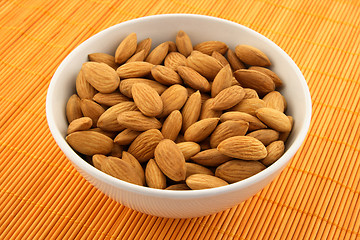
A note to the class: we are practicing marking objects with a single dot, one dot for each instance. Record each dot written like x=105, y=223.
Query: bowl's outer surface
x=179, y=204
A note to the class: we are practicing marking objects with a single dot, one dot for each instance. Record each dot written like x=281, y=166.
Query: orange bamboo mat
x=316, y=197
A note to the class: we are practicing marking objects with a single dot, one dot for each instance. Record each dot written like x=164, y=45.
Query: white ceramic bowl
x=179, y=204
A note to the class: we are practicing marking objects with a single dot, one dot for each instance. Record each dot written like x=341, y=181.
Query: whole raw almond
x=204, y=181
x=221, y=81
x=266, y=136
x=108, y=120
x=274, y=119
x=207, y=111
x=147, y=99
x=249, y=106
x=193, y=79
x=200, y=130
x=83, y=87
x=170, y=160
x=172, y=125
x=110, y=99
x=254, y=122
x=144, y=45
x=234, y=61
x=137, y=57
x=134, y=69
x=137, y=121
x=173, y=98
x=243, y=147
x=73, y=109
x=126, y=136
x=103, y=58
x=237, y=170
x=158, y=54
x=80, y=124
x=143, y=147
x=204, y=64
x=179, y=186
x=92, y=110
x=250, y=93
x=101, y=76
x=271, y=74
x=110, y=134
x=193, y=168
x=210, y=157
x=126, y=156
x=174, y=59
x=191, y=110
x=252, y=55
x=284, y=135
x=256, y=80
x=126, y=85
x=183, y=43
x=165, y=75
x=154, y=176
x=220, y=57
x=126, y=48
x=189, y=149
x=172, y=46
x=275, y=151
x=228, y=98
x=99, y=160
x=90, y=142
x=275, y=100
x=208, y=47
x=122, y=170
x=228, y=129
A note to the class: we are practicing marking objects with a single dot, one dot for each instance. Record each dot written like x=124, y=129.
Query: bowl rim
x=169, y=194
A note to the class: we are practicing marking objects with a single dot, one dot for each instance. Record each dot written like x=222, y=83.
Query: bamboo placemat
x=315, y=197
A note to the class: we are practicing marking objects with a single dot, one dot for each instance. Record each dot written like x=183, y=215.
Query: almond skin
x=207, y=111
x=220, y=57
x=200, y=130
x=274, y=119
x=126, y=137
x=126, y=48
x=193, y=168
x=208, y=47
x=174, y=59
x=90, y=142
x=189, y=149
x=158, y=54
x=193, y=79
x=83, y=87
x=237, y=170
x=80, y=124
x=92, y=110
x=204, y=64
x=134, y=69
x=135, y=164
x=254, y=122
x=258, y=81
x=165, y=75
x=271, y=74
x=117, y=151
x=126, y=85
x=266, y=136
x=147, y=99
x=170, y=160
x=101, y=76
x=173, y=98
x=249, y=106
x=275, y=100
x=110, y=99
x=191, y=110
x=228, y=129
x=179, y=186
x=73, y=109
x=243, y=147
x=275, y=150
x=99, y=161
x=284, y=135
x=172, y=125
x=103, y=58
x=250, y=93
x=183, y=43
x=137, y=121
x=221, y=81
x=234, y=61
x=137, y=57
x=204, y=181
x=210, y=157
x=144, y=45
x=228, y=98
x=252, y=55
x=154, y=176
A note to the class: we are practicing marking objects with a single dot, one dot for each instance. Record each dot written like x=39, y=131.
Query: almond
x=172, y=46
x=98, y=161
x=228, y=98
x=193, y=168
x=193, y=79
x=80, y=124
x=220, y=57
x=191, y=110
x=204, y=64
x=110, y=99
x=200, y=129
x=103, y=58
x=110, y=134
x=183, y=43
x=274, y=119
x=83, y=87
x=137, y=121
x=122, y=170
x=154, y=176
x=275, y=150
x=165, y=75
x=189, y=149
x=258, y=81
x=179, y=186
x=108, y=120
x=250, y=93
x=207, y=111
x=208, y=47
x=134, y=69
x=275, y=100
x=143, y=147
x=254, y=122
x=116, y=151
x=135, y=164
x=73, y=109
x=237, y=170
x=266, y=136
x=147, y=99
x=221, y=81
x=228, y=129
x=172, y=125
x=137, y=57
x=173, y=98
x=92, y=110
x=101, y=76
x=210, y=157
x=284, y=135
x=249, y=106
x=234, y=61
x=204, y=181
x=126, y=137
x=243, y=147
x=126, y=85
x=252, y=55
x=174, y=59
x=90, y=142
x=170, y=160
x=126, y=48
x=158, y=54
x=144, y=45
x=205, y=144
x=271, y=74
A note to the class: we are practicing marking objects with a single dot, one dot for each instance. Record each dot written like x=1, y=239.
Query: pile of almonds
x=178, y=116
